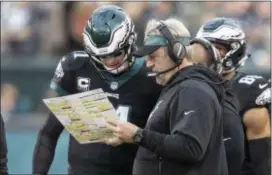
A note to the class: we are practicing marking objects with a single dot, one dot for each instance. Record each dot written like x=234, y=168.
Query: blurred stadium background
x=35, y=35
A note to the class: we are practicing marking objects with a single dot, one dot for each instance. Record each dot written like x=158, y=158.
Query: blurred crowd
x=30, y=29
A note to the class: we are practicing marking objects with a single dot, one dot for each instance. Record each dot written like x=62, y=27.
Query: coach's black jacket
x=3, y=149
x=234, y=136
x=184, y=133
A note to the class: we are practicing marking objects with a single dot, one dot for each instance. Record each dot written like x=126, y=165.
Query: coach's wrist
x=138, y=136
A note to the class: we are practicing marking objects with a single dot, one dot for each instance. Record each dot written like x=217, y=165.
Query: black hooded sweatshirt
x=184, y=132
x=234, y=135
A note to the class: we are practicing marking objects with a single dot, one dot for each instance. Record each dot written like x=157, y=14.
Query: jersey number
x=123, y=112
x=249, y=79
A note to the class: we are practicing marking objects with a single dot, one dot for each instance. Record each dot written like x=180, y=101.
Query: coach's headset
x=176, y=49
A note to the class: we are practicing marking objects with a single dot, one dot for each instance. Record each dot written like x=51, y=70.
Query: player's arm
x=46, y=144
x=3, y=149
x=51, y=130
x=256, y=115
x=257, y=123
x=256, y=119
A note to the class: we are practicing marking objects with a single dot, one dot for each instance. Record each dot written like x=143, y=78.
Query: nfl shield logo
x=114, y=85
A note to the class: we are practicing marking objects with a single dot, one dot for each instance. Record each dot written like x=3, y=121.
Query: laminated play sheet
x=84, y=114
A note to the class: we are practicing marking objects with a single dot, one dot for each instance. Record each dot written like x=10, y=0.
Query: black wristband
x=138, y=137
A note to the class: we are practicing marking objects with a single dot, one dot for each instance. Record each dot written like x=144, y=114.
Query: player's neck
x=230, y=75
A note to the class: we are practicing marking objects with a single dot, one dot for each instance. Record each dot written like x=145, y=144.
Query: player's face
x=159, y=61
x=221, y=48
x=113, y=60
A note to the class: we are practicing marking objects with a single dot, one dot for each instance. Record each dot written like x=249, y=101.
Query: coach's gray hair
x=176, y=27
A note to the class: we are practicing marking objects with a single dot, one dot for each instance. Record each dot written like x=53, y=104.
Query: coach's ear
x=212, y=57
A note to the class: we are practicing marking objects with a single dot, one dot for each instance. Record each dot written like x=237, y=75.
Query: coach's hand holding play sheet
x=84, y=114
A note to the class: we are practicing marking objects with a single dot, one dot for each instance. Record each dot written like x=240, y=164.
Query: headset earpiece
x=179, y=50
x=176, y=49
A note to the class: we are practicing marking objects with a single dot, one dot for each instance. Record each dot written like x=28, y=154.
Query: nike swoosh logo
x=261, y=86
x=188, y=112
x=228, y=138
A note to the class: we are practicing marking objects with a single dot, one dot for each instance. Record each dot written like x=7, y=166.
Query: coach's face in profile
x=159, y=61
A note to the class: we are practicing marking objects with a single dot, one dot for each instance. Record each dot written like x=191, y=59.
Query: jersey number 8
x=249, y=79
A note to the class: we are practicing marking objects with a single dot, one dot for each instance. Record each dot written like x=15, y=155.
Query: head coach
x=184, y=132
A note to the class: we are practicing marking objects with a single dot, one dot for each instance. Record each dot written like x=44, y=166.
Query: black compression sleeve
x=46, y=144
x=260, y=151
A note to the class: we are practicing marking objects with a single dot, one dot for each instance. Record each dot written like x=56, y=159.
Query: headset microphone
x=155, y=74
x=152, y=74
